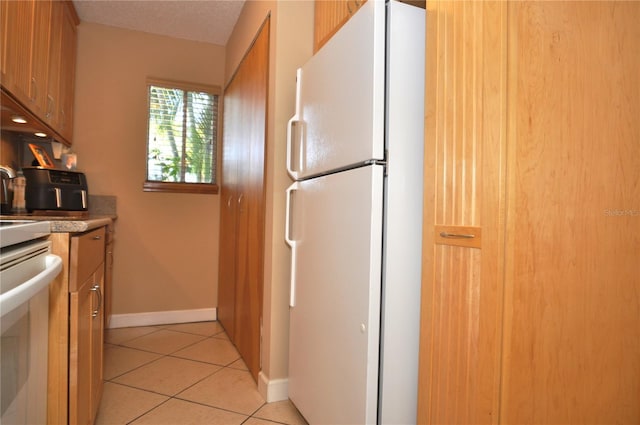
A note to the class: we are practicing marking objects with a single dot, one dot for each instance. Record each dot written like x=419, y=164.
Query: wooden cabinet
x=108, y=274
x=240, y=280
x=329, y=17
x=63, y=121
x=86, y=325
x=76, y=329
x=62, y=60
x=85, y=351
x=38, y=59
x=52, y=114
x=530, y=131
x=26, y=55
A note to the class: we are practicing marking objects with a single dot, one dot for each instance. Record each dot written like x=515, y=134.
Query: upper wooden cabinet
x=330, y=16
x=24, y=44
x=38, y=59
x=63, y=119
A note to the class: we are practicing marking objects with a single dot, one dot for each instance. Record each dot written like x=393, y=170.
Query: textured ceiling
x=209, y=21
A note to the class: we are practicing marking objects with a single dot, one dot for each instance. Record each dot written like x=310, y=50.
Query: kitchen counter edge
x=69, y=225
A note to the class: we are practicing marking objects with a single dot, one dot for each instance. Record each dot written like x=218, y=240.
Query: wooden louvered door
x=464, y=149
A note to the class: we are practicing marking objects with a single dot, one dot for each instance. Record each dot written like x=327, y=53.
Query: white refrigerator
x=354, y=220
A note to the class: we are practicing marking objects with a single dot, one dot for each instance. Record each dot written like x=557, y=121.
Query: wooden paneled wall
x=533, y=147
x=571, y=352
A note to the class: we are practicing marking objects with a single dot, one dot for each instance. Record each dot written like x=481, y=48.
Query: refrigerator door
x=336, y=231
x=403, y=216
x=339, y=118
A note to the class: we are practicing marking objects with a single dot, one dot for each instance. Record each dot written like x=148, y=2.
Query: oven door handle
x=19, y=295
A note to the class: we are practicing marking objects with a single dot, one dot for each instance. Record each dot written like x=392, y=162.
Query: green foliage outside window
x=182, y=133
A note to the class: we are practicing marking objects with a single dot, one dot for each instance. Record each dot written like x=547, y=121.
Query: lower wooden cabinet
x=85, y=350
x=108, y=274
x=76, y=328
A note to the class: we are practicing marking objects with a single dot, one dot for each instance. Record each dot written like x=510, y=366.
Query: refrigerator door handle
x=290, y=133
x=292, y=244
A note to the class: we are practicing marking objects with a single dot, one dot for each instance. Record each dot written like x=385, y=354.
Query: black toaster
x=51, y=189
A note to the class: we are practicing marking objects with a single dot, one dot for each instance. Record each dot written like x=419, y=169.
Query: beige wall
x=167, y=244
x=166, y=251
x=291, y=45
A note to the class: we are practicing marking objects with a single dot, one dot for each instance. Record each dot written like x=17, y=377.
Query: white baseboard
x=273, y=390
x=162, y=317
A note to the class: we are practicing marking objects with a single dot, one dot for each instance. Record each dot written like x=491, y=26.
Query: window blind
x=182, y=134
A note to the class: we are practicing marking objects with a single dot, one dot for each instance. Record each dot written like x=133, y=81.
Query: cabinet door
x=86, y=325
x=108, y=277
x=67, y=73
x=40, y=58
x=86, y=332
x=4, y=41
x=26, y=52
x=17, y=33
x=81, y=353
x=97, y=339
x=464, y=153
x=53, y=114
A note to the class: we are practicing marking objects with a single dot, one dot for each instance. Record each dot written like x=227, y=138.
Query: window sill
x=204, y=188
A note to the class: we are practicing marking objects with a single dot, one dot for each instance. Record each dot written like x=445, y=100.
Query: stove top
x=13, y=232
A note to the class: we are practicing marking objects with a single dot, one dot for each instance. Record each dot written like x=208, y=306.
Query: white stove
x=27, y=267
x=17, y=231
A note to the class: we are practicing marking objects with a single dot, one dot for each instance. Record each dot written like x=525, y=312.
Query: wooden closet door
x=250, y=277
x=229, y=191
x=572, y=317
x=464, y=196
x=241, y=274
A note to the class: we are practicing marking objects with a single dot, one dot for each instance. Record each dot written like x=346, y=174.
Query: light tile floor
x=182, y=374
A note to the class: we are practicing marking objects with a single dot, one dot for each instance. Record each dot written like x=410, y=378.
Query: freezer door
x=335, y=227
x=339, y=119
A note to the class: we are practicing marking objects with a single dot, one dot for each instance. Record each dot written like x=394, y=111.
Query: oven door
x=25, y=274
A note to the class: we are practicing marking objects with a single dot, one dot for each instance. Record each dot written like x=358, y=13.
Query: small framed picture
x=69, y=161
x=41, y=156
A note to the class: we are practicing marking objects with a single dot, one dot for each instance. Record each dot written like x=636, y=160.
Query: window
x=182, y=137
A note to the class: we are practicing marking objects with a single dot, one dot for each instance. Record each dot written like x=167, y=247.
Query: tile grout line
x=218, y=335
x=176, y=396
